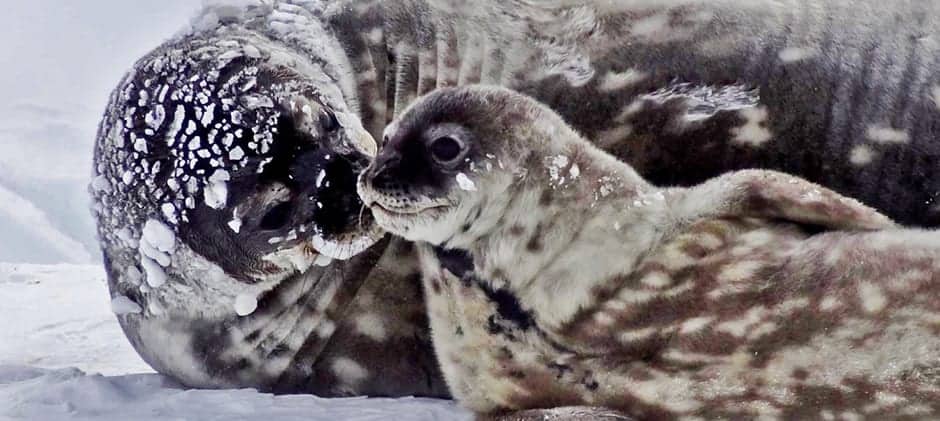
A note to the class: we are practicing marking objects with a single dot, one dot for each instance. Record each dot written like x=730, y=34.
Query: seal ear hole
x=276, y=218
x=445, y=149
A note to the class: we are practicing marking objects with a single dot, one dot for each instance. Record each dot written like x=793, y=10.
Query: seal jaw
x=403, y=222
x=401, y=212
x=322, y=213
x=338, y=219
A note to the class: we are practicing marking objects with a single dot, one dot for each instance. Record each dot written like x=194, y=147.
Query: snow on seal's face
x=249, y=156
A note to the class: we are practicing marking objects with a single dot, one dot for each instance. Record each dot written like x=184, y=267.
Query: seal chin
x=347, y=245
x=407, y=222
x=339, y=225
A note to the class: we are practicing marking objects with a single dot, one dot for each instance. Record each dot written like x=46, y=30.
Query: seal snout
x=335, y=208
x=398, y=177
x=381, y=174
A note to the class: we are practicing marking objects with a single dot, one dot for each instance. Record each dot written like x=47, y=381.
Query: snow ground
x=59, y=62
x=58, y=317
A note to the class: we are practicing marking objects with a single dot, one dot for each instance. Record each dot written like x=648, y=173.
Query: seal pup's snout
x=400, y=178
x=435, y=160
x=382, y=173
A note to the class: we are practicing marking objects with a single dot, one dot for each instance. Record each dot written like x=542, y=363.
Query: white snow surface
x=58, y=64
x=64, y=357
x=37, y=394
x=57, y=316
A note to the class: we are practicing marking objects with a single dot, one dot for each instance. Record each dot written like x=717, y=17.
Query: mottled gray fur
x=841, y=92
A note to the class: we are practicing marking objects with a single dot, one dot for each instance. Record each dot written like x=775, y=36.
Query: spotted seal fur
x=559, y=276
x=842, y=92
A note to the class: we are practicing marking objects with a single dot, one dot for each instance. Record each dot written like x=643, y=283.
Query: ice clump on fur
x=245, y=304
x=465, y=183
x=122, y=305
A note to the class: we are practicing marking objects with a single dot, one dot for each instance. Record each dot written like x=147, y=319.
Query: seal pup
x=555, y=276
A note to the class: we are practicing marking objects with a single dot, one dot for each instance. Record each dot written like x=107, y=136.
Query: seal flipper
x=775, y=195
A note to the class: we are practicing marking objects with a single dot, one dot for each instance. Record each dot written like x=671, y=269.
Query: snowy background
x=62, y=354
x=59, y=61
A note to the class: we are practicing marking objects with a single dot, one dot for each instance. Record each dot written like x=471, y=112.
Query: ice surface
x=56, y=84
x=36, y=394
x=29, y=233
x=82, y=337
x=57, y=316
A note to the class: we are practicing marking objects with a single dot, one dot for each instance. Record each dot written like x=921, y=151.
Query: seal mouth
x=402, y=220
x=403, y=211
x=341, y=224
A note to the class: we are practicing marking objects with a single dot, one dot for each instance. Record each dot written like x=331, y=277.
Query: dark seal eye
x=328, y=121
x=445, y=149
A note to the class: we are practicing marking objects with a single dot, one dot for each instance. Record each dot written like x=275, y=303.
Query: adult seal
x=556, y=276
x=225, y=162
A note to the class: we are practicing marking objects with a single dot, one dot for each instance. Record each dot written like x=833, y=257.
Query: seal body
x=557, y=276
x=217, y=141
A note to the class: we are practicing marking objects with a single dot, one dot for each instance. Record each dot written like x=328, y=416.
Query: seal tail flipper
x=775, y=195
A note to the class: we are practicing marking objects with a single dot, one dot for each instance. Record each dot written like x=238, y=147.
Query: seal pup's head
x=447, y=162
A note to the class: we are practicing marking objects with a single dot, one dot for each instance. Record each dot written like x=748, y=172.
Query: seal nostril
x=384, y=177
x=276, y=218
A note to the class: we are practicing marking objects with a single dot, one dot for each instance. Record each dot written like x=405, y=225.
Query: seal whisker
x=362, y=211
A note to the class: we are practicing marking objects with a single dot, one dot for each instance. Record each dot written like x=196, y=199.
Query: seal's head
x=294, y=196
x=225, y=185
x=248, y=155
x=446, y=162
